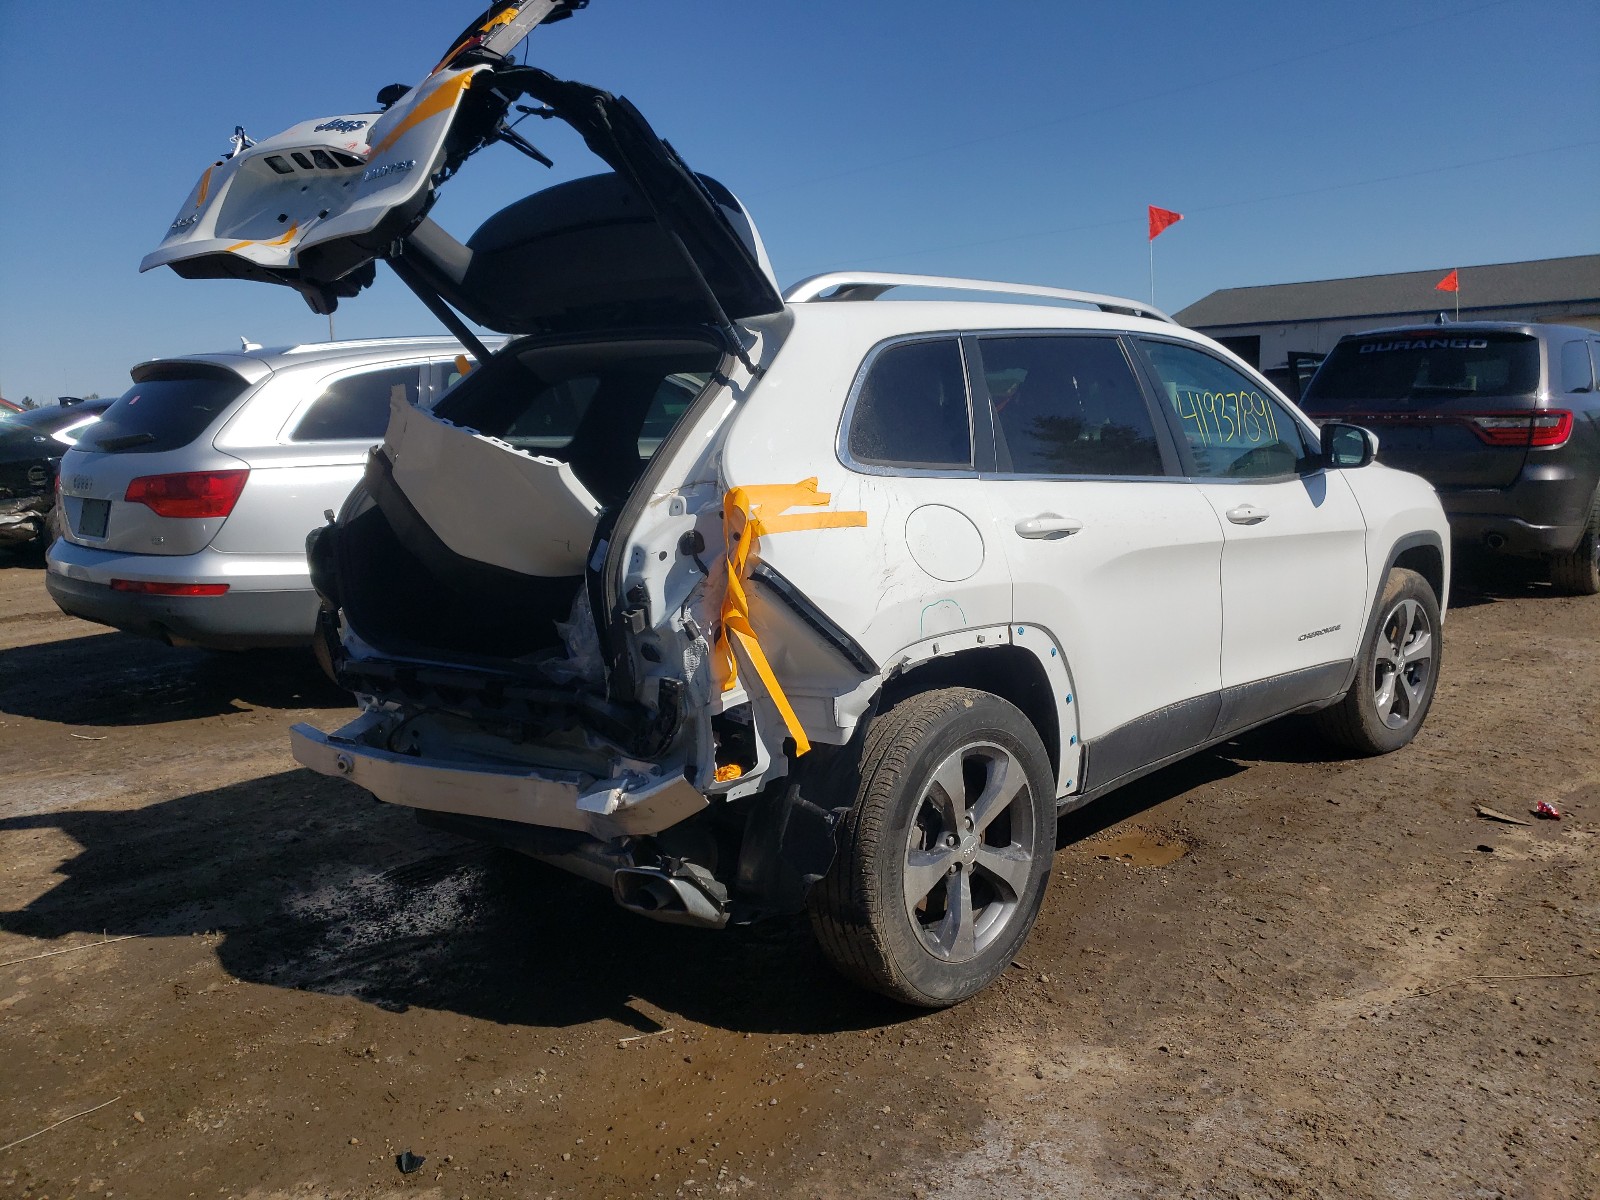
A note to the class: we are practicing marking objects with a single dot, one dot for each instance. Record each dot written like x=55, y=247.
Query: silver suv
x=186, y=508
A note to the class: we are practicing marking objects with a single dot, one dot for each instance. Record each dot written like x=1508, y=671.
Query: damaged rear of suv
x=741, y=603
x=523, y=598
x=529, y=590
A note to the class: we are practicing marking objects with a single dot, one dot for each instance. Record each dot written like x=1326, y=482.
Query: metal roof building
x=1264, y=325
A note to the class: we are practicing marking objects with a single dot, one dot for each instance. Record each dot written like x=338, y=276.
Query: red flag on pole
x=1450, y=283
x=1160, y=219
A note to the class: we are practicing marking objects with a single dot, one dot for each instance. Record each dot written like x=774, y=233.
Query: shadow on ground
x=1480, y=578
x=25, y=558
x=118, y=679
x=313, y=885
x=1144, y=794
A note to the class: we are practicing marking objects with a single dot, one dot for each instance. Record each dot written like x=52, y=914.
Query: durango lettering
x=1438, y=343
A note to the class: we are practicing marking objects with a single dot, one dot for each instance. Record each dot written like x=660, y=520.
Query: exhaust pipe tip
x=655, y=894
x=649, y=894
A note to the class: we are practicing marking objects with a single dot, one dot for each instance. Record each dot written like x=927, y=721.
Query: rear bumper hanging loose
x=631, y=804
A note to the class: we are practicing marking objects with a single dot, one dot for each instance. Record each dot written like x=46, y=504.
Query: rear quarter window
x=1577, y=372
x=356, y=407
x=912, y=410
x=166, y=409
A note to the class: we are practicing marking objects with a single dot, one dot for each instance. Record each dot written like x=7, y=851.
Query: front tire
x=1577, y=573
x=944, y=857
x=1397, y=672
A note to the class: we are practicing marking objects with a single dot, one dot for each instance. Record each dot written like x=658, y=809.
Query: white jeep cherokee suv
x=740, y=603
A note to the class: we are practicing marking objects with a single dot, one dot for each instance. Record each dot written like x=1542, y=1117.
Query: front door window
x=1233, y=427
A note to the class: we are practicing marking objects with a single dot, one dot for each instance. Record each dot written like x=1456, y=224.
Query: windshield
x=168, y=408
x=1379, y=370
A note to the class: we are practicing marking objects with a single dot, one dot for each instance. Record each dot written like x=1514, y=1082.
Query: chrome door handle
x=1047, y=525
x=1247, y=514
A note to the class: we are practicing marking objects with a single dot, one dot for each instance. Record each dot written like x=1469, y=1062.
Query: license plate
x=92, y=518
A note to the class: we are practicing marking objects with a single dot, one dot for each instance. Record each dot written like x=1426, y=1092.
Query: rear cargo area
x=476, y=525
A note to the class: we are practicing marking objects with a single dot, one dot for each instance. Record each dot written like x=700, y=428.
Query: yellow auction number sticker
x=1226, y=418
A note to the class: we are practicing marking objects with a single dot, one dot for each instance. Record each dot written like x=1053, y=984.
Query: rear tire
x=1578, y=573
x=1396, y=673
x=944, y=856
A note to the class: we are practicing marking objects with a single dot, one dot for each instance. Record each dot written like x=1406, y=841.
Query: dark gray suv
x=1502, y=418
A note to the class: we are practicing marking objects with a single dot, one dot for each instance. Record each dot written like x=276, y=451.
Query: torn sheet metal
x=470, y=490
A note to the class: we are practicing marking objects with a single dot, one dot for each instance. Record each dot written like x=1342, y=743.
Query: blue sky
x=1300, y=141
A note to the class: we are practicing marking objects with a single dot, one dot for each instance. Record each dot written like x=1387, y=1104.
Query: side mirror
x=1346, y=446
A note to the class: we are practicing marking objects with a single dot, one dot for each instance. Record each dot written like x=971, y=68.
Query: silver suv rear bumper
x=631, y=805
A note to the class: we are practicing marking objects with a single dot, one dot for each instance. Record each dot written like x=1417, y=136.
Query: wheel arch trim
x=988, y=659
x=1400, y=553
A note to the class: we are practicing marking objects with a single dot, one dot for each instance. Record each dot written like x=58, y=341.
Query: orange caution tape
x=442, y=99
x=277, y=241
x=748, y=514
x=505, y=17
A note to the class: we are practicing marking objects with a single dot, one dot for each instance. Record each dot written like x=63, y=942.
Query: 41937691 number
x=1226, y=418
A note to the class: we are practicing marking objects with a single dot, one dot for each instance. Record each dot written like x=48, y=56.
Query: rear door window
x=912, y=409
x=1232, y=427
x=1387, y=371
x=356, y=407
x=1068, y=406
x=169, y=407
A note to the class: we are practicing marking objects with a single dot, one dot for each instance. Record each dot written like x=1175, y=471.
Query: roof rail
x=363, y=343
x=869, y=285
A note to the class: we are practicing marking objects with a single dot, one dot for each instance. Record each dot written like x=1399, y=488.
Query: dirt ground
x=1264, y=972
